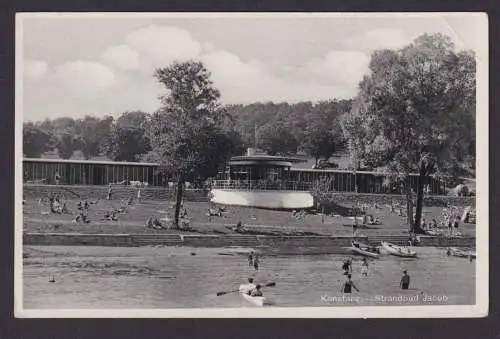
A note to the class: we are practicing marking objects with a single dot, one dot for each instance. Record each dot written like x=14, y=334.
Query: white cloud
x=161, y=45
x=83, y=76
x=379, y=39
x=34, y=69
x=122, y=57
x=336, y=68
x=247, y=81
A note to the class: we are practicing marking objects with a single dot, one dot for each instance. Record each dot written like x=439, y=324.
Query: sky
x=101, y=64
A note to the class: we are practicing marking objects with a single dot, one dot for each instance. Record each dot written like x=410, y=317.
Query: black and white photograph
x=251, y=165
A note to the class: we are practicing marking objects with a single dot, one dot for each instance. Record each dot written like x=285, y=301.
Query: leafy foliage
x=93, y=131
x=414, y=112
x=127, y=139
x=36, y=141
x=186, y=134
x=67, y=143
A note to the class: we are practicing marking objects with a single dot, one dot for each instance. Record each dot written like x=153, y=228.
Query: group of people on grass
x=56, y=206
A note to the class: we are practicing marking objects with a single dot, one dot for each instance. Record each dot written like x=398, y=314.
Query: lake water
x=172, y=277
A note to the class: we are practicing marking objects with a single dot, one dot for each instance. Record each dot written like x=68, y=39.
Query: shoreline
x=268, y=243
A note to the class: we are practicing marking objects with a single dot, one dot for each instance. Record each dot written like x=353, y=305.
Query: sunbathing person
x=64, y=208
x=111, y=216
x=81, y=217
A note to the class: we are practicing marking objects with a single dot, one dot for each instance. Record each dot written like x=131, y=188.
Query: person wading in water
x=348, y=285
x=405, y=281
x=250, y=259
x=256, y=262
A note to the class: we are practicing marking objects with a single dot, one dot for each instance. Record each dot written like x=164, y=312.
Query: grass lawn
x=37, y=218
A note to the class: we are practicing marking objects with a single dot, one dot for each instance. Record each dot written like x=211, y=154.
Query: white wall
x=265, y=199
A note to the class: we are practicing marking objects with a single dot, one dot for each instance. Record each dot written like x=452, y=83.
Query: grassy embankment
x=37, y=218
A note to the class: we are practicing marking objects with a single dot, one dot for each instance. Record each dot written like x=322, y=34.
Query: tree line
x=281, y=128
x=414, y=113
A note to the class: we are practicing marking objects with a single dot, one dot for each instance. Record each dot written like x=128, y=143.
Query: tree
x=66, y=144
x=322, y=136
x=36, y=141
x=92, y=132
x=412, y=111
x=186, y=134
x=127, y=140
x=126, y=144
x=276, y=138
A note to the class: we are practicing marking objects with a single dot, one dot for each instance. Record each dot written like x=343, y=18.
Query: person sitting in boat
x=355, y=244
x=256, y=292
x=250, y=286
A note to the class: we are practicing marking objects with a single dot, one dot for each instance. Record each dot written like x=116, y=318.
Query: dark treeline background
x=277, y=128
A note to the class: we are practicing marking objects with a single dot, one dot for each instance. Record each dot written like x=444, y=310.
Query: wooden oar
x=271, y=284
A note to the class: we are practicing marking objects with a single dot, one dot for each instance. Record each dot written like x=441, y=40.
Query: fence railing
x=305, y=186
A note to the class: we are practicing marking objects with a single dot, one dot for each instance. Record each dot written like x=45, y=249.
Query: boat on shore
x=257, y=301
x=399, y=251
x=456, y=252
x=363, y=249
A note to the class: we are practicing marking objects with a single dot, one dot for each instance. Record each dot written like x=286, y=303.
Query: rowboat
x=399, y=251
x=456, y=252
x=366, y=250
x=257, y=301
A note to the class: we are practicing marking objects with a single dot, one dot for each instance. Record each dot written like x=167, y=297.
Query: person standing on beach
x=405, y=281
x=456, y=224
x=108, y=197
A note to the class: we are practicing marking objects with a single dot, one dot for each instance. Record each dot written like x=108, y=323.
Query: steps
x=157, y=239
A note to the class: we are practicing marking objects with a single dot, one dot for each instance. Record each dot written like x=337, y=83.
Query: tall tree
x=276, y=138
x=412, y=110
x=36, y=141
x=67, y=143
x=322, y=136
x=186, y=134
x=92, y=132
x=127, y=140
x=126, y=144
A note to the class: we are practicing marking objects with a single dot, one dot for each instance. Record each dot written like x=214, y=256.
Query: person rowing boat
x=250, y=286
x=256, y=292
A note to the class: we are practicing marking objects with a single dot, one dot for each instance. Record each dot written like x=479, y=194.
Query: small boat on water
x=399, y=251
x=257, y=301
x=456, y=252
x=363, y=249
